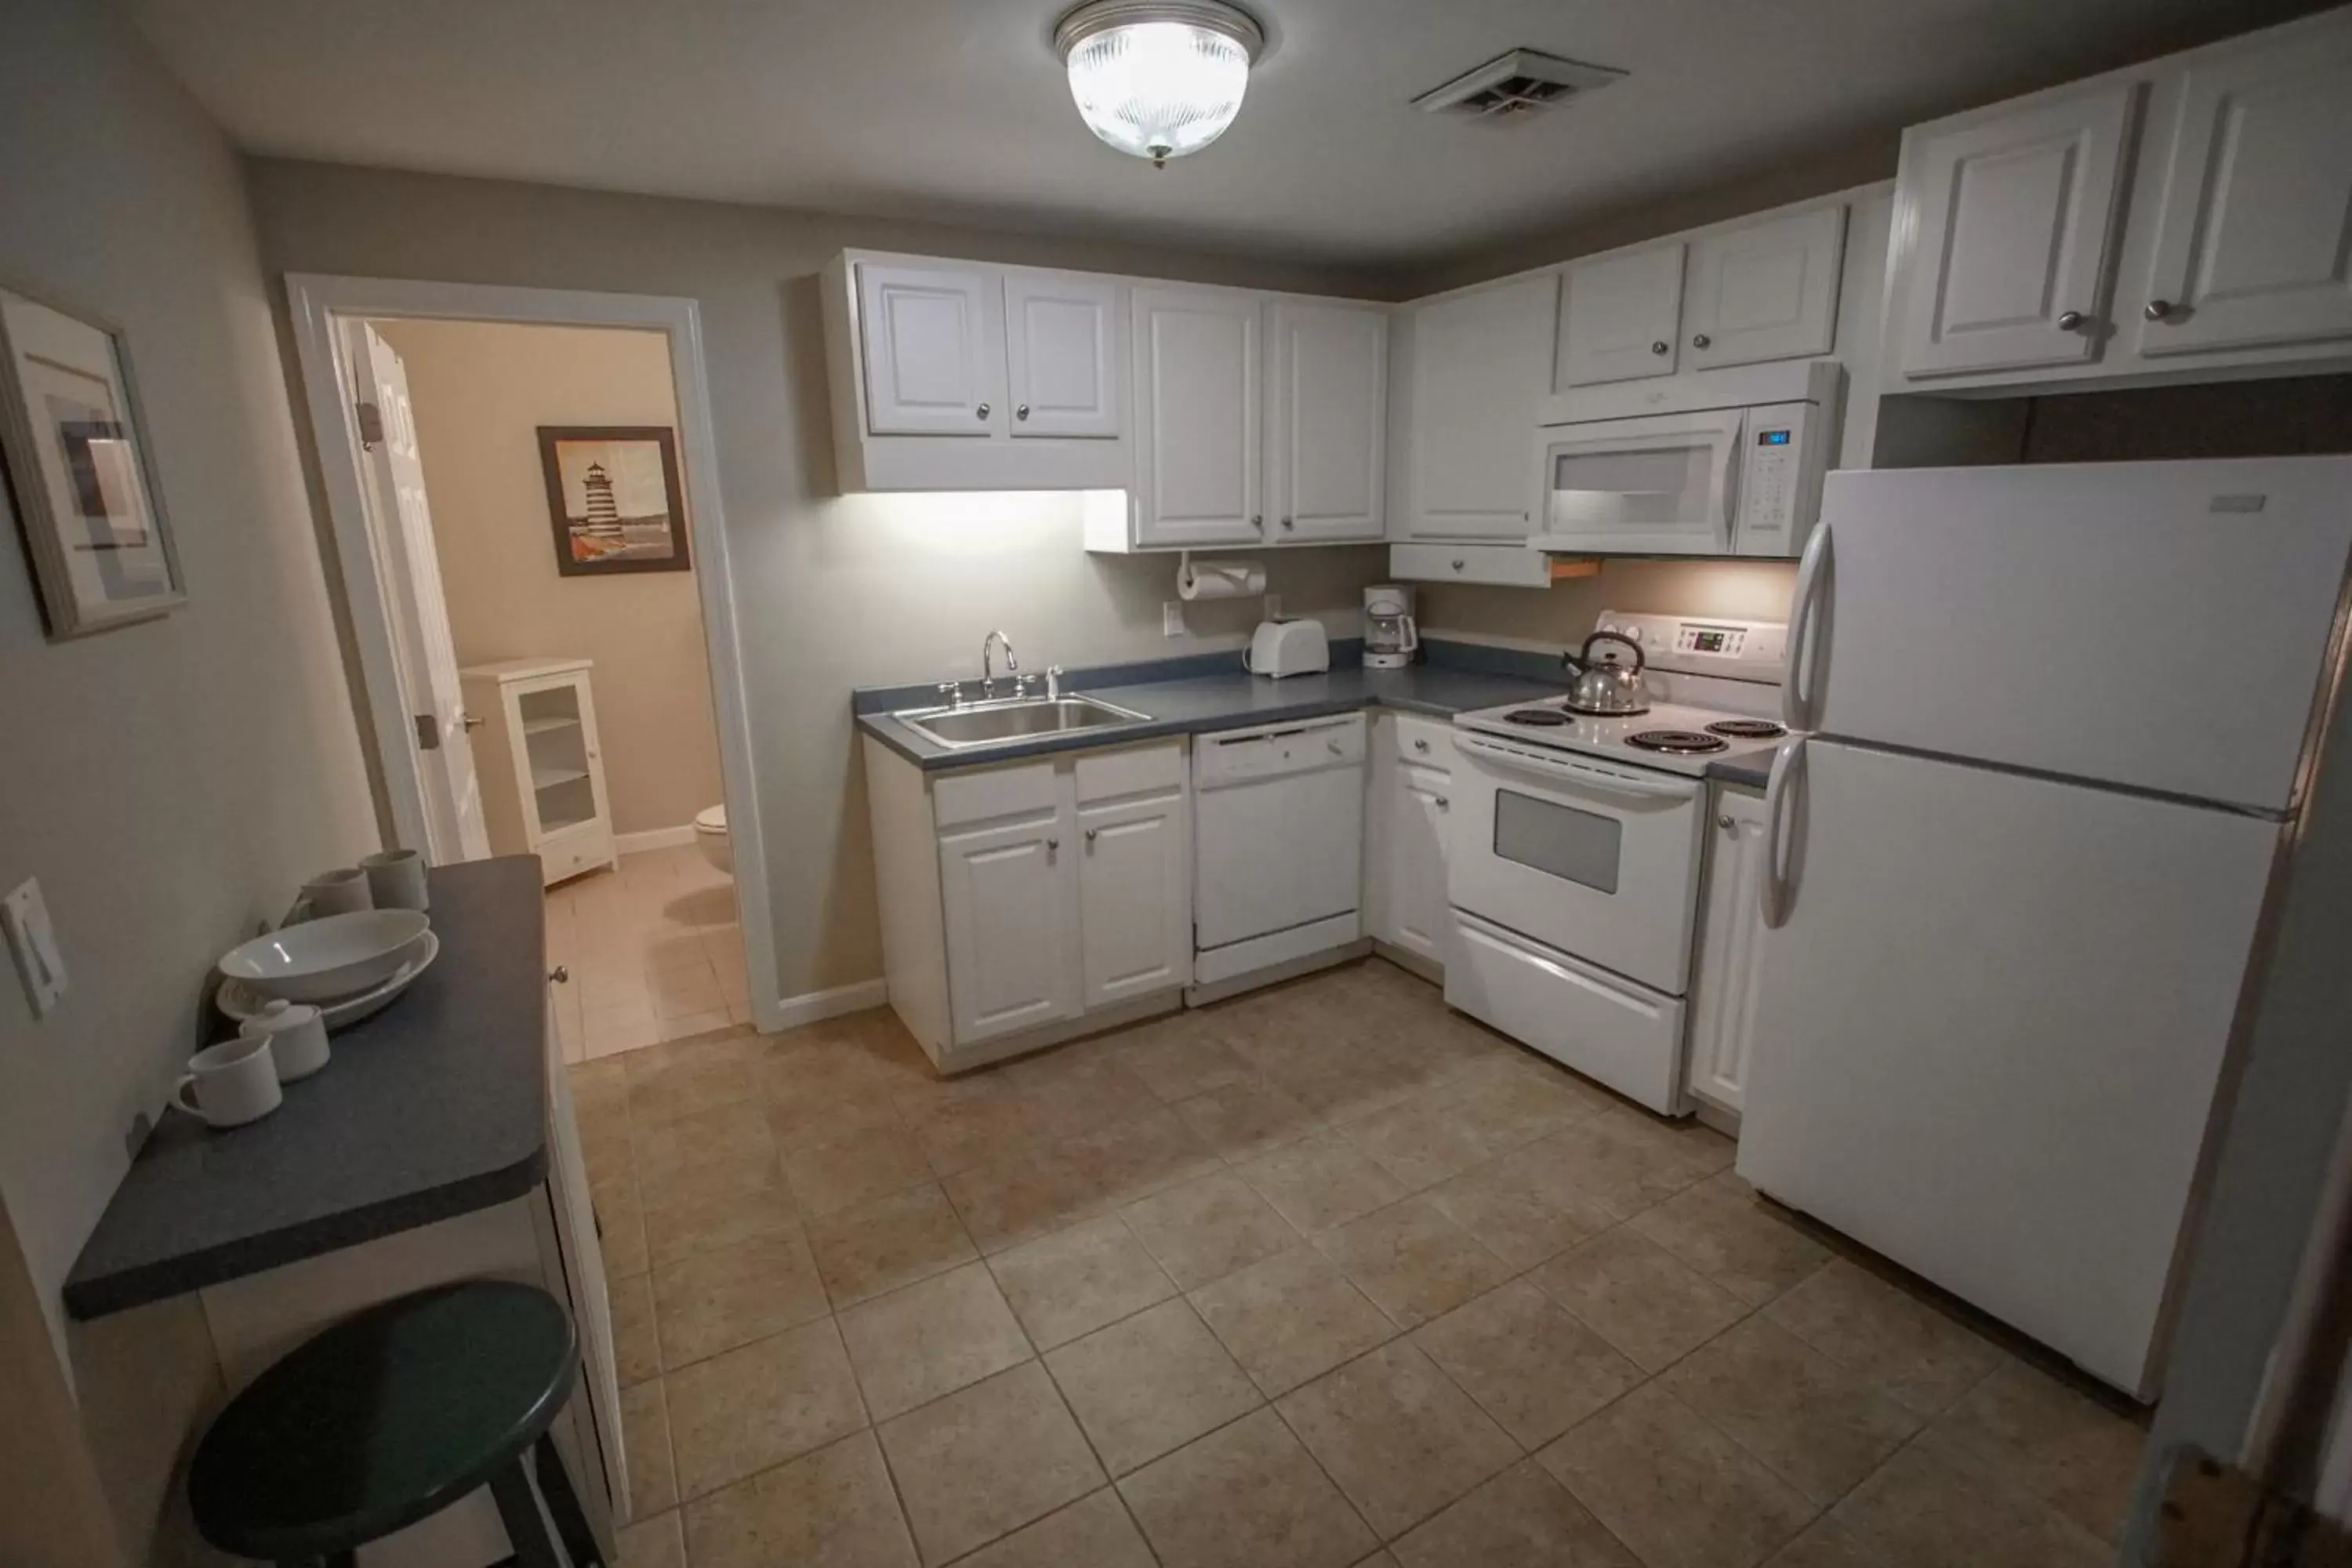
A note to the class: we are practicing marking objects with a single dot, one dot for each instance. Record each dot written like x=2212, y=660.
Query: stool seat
x=385, y=1418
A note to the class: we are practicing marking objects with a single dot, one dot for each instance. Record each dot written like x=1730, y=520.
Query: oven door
x=1596, y=859
x=1664, y=485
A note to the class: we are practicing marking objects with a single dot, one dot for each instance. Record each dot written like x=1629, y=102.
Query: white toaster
x=1288, y=647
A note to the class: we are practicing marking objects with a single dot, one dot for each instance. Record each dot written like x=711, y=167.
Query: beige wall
x=829, y=592
x=480, y=390
x=1563, y=614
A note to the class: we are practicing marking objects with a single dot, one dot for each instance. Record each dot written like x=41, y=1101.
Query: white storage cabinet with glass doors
x=549, y=798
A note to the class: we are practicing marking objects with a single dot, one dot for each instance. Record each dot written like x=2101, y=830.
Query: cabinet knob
x=1724, y=823
x=560, y=974
x=1257, y=521
x=2070, y=320
x=1659, y=347
x=1420, y=745
x=1458, y=563
x=1702, y=341
x=1022, y=412
x=981, y=411
x=2158, y=310
x=1053, y=848
x=1090, y=834
x=1286, y=525
x=1443, y=804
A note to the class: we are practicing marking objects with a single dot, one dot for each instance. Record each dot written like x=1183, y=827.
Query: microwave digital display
x=1772, y=437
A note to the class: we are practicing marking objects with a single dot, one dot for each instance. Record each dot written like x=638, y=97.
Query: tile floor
x=1324, y=1277
x=654, y=950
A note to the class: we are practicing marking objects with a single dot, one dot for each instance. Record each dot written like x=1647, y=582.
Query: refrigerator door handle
x=1772, y=887
x=1803, y=682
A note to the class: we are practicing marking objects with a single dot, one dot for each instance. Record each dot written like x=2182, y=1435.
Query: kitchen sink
x=1014, y=719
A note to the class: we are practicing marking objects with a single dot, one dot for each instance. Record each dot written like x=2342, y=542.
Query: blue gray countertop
x=434, y=1107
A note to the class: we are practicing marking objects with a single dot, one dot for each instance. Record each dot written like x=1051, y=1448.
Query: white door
x=410, y=570
x=1766, y=292
x=1061, y=332
x=1009, y=895
x=1134, y=900
x=2015, y=215
x=1328, y=457
x=934, y=350
x=1730, y=945
x=1989, y=1028
x=1198, y=436
x=1481, y=366
x=2251, y=249
x=1621, y=317
x=1420, y=805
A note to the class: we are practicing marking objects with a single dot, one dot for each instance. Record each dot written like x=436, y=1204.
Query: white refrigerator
x=2058, y=720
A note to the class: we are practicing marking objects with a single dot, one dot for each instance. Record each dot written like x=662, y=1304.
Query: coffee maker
x=1391, y=639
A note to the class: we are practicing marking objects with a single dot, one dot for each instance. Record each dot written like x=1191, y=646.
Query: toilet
x=710, y=837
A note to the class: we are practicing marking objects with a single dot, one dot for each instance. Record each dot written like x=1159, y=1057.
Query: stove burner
x=1537, y=718
x=1684, y=743
x=1747, y=729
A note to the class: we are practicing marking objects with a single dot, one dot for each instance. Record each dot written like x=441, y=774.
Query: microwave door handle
x=1733, y=444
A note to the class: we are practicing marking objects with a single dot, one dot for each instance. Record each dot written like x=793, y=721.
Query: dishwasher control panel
x=1271, y=751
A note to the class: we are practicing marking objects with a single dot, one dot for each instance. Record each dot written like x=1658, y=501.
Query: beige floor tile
x=645, y=1435
x=1826, y=1543
x=1093, y=1532
x=1136, y=1158
x=1007, y=1202
x=1674, y=1489
x=1639, y=1297
x=1148, y=1384
x=636, y=1347
x=1937, y=1505
x=1291, y=1318
x=655, y=1543
x=1721, y=1229
x=1533, y=1368
x=1521, y=1518
x=834, y=1508
x=621, y=1222
x=1203, y=1230
x=599, y=1089
x=1507, y=1103
x=1245, y=1496
x=1414, y=1262
x=737, y=1414
x=801, y=1114
x=1320, y=1181
x=857, y=1168
x=1084, y=1091
x=724, y=1134
x=1623, y=1162
x=1176, y=1067
x=1399, y=1439
x=1925, y=1360
x=987, y=1459
x=1355, y=1083
x=2077, y=1456
x=892, y=1241
x=1816, y=1424
x=962, y=1133
x=716, y=1300
x=1419, y=1143
x=713, y=1024
x=1245, y=1119
x=716, y=1205
x=1522, y=1206
x=1075, y=1280
x=929, y=1338
x=687, y=1078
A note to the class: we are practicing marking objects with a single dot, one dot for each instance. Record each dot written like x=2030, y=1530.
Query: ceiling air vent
x=1517, y=84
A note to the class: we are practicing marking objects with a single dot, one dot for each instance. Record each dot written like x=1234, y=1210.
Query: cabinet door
x=1060, y=350
x=1134, y=900
x=1731, y=933
x=1481, y=368
x=1766, y=292
x=1418, y=917
x=2251, y=249
x=2016, y=215
x=1621, y=317
x=1197, y=422
x=933, y=350
x=1331, y=408
x=1008, y=895
x=583, y=1271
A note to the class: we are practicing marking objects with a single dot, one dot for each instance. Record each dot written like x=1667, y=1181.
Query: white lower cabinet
x=1412, y=811
x=1133, y=875
x=1730, y=940
x=1008, y=897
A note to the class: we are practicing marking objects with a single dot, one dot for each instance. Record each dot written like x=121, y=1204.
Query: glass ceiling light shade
x=1158, y=78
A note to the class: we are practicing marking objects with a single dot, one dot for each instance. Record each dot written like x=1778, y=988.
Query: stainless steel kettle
x=1604, y=687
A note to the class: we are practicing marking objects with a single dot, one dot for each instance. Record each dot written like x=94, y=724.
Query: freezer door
x=2158, y=624
x=1988, y=1027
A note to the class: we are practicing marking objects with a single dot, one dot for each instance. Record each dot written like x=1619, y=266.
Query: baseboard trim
x=816, y=1007
x=656, y=839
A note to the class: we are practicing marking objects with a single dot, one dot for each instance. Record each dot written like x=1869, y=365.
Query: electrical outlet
x=1274, y=606
x=1171, y=618
x=33, y=943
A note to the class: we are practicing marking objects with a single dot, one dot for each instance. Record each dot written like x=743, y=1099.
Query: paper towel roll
x=1220, y=580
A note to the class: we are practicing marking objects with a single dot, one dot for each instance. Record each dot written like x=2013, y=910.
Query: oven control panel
x=1692, y=645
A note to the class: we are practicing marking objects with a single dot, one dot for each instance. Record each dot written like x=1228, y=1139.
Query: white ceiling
x=956, y=108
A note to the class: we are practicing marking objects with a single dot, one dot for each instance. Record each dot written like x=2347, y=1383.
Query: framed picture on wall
x=80, y=473
x=614, y=497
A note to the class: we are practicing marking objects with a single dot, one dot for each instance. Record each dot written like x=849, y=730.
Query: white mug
x=397, y=879
x=338, y=893
x=236, y=1082
x=297, y=1033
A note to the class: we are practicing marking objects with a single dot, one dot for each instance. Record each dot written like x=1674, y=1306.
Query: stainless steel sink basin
x=1013, y=718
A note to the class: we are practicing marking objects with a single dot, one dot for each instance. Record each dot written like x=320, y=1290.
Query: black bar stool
x=390, y=1417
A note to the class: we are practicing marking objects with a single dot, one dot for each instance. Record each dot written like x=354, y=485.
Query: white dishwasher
x=1279, y=844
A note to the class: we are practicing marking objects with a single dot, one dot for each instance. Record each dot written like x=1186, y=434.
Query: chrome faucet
x=987, y=670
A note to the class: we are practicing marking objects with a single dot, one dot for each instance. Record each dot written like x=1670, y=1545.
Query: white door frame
x=317, y=303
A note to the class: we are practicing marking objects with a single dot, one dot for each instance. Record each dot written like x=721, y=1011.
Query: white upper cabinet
x=934, y=350
x=1621, y=316
x=1482, y=363
x=1767, y=292
x=2015, y=210
x=1061, y=332
x=1327, y=434
x=2250, y=236
x=1198, y=436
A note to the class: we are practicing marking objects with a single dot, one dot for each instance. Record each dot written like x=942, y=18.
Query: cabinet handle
x=1724, y=823
x=1659, y=347
x=1022, y=412
x=1090, y=834
x=2070, y=320
x=981, y=411
x=1420, y=745
x=2158, y=310
x=560, y=974
x=1053, y=848
x=1702, y=341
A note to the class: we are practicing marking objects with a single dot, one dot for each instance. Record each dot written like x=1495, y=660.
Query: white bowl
x=327, y=959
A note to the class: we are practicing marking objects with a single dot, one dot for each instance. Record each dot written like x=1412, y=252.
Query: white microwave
x=1675, y=473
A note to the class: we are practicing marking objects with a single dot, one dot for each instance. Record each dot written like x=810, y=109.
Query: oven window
x=1574, y=846
x=1602, y=489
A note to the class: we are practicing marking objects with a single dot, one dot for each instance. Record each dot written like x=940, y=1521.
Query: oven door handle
x=1581, y=775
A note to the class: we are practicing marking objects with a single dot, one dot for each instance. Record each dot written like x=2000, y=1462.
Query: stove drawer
x=1602, y=1025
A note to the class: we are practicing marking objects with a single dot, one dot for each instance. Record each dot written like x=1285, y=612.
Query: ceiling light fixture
x=1158, y=78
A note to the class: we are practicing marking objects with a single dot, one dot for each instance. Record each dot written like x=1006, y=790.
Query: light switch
x=33, y=943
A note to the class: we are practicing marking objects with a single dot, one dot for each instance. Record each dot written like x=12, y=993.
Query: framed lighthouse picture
x=613, y=499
